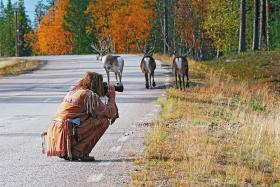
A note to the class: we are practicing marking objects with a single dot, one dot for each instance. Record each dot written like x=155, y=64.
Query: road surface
x=29, y=101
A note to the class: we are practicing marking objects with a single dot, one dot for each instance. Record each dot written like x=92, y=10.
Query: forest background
x=203, y=29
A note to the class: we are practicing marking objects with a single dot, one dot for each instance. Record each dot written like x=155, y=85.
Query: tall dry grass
x=226, y=132
x=18, y=66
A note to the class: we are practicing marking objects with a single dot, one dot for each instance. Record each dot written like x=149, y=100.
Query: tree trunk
x=261, y=24
x=242, y=28
x=165, y=27
x=174, y=26
x=267, y=24
x=256, y=25
x=219, y=53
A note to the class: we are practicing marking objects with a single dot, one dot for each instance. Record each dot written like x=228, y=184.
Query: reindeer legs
x=108, y=76
x=120, y=77
x=150, y=79
x=153, y=75
x=183, y=77
x=176, y=81
x=187, y=74
x=180, y=81
x=116, y=75
x=147, y=80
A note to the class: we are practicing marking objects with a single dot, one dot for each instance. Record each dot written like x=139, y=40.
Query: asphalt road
x=29, y=101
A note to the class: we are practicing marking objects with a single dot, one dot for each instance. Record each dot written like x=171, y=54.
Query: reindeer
x=101, y=48
x=111, y=63
x=148, y=65
x=180, y=68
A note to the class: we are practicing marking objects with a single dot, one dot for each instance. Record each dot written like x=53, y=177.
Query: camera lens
x=118, y=87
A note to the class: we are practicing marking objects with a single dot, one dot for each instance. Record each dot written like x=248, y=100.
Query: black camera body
x=118, y=87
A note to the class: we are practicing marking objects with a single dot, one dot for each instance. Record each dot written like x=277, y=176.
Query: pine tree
x=51, y=3
x=40, y=10
x=24, y=27
x=275, y=24
x=9, y=43
x=163, y=25
x=242, y=30
x=156, y=30
x=2, y=27
x=75, y=22
x=256, y=25
x=261, y=24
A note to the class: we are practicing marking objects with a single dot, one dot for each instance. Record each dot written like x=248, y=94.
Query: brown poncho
x=67, y=139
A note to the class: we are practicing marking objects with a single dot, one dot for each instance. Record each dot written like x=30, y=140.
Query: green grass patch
x=250, y=65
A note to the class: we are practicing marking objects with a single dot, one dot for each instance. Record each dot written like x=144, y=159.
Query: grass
x=250, y=66
x=18, y=66
x=224, y=132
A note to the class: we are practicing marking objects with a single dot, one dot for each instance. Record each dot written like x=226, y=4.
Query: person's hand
x=111, y=91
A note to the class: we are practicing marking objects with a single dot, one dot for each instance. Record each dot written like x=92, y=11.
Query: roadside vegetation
x=18, y=66
x=223, y=130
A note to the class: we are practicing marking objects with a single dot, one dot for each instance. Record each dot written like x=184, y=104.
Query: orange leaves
x=101, y=12
x=139, y=20
x=31, y=40
x=51, y=37
x=123, y=20
x=120, y=30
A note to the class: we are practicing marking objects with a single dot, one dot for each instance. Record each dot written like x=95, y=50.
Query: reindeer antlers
x=145, y=49
x=103, y=45
x=151, y=51
x=187, y=53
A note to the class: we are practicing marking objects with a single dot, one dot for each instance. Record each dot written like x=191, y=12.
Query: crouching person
x=82, y=119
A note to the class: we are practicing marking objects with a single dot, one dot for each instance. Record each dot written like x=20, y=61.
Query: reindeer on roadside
x=180, y=68
x=111, y=63
x=148, y=65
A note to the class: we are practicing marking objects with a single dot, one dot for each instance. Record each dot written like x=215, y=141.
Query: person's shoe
x=67, y=158
x=87, y=159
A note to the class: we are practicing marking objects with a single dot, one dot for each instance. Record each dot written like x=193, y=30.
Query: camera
x=118, y=87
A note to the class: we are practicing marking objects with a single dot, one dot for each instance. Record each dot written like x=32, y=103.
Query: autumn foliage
x=202, y=29
x=190, y=17
x=125, y=21
x=51, y=37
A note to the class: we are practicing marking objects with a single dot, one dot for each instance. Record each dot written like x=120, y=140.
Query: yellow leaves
x=222, y=24
x=52, y=39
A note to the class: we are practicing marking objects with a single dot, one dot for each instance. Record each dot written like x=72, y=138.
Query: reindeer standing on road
x=148, y=65
x=111, y=63
x=102, y=48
